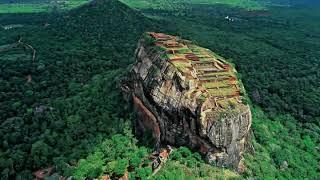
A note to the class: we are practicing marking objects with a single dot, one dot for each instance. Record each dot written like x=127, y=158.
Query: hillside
x=66, y=109
x=71, y=102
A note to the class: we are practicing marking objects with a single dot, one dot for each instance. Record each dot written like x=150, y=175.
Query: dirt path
x=9, y=47
x=29, y=47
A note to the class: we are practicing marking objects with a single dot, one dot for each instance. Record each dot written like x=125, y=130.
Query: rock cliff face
x=188, y=96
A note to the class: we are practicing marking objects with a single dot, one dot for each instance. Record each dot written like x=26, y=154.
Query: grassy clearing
x=216, y=84
x=181, y=65
x=222, y=92
x=218, y=74
x=247, y=4
x=40, y=7
x=176, y=4
x=22, y=8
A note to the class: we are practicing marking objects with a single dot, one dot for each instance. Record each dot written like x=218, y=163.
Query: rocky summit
x=187, y=95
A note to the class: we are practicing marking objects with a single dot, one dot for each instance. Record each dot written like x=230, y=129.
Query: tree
x=40, y=153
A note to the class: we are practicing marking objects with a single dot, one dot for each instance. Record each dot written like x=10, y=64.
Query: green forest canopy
x=72, y=105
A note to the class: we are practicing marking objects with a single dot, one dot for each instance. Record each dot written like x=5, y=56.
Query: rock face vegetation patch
x=194, y=95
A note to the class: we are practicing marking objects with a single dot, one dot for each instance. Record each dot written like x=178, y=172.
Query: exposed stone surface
x=188, y=96
x=284, y=165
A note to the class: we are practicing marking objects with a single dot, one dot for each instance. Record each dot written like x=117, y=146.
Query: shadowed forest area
x=66, y=109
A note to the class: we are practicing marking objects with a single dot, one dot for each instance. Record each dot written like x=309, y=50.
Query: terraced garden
x=211, y=74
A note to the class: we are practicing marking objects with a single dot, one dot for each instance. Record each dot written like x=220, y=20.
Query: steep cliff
x=188, y=96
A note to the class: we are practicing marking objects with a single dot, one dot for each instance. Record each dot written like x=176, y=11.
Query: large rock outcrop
x=188, y=96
